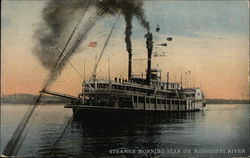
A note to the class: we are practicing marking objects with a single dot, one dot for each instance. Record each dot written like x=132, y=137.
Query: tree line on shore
x=28, y=98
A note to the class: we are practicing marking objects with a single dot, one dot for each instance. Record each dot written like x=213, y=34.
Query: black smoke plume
x=57, y=18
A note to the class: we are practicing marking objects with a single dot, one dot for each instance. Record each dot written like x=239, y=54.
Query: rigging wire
x=71, y=64
x=82, y=36
x=15, y=142
x=71, y=35
x=17, y=138
x=104, y=47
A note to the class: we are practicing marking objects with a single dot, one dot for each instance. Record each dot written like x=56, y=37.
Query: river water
x=219, y=130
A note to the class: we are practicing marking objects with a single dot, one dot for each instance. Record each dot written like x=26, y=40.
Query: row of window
x=159, y=101
x=128, y=88
x=121, y=87
x=167, y=85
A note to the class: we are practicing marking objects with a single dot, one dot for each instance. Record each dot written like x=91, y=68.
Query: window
x=168, y=101
x=141, y=100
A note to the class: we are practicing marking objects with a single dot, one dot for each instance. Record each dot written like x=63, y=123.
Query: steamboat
x=137, y=94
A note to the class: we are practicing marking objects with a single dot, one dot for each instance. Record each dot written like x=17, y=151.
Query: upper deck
x=134, y=86
x=135, y=83
x=138, y=85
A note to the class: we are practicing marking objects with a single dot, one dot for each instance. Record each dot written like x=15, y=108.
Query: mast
x=109, y=69
x=93, y=76
x=84, y=70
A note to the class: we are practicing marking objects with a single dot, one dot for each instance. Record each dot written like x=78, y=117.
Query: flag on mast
x=92, y=44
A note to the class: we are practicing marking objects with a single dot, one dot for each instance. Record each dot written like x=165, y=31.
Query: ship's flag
x=92, y=44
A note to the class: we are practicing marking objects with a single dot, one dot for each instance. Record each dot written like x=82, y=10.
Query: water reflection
x=139, y=132
x=88, y=137
x=96, y=135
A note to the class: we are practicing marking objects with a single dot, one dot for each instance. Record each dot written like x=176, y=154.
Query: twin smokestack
x=149, y=45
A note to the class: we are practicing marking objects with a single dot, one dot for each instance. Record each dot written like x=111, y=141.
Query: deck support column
x=155, y=103
x=90, y=101
x=166, y=104
x=132, y=98
x=137, y=102
x=149, y=102
x=189, y=105
x=170, y=105
x=160, y=103
x=178, y=105
x=186, y=106
x=116, y=101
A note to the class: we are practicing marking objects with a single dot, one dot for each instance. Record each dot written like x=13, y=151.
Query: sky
x=210, y=40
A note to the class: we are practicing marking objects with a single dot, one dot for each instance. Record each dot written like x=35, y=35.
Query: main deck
x=87, y=111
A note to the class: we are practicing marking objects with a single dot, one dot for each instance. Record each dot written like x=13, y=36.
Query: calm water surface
x=216, y=131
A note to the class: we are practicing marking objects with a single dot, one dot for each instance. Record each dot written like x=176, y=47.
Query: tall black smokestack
x=128, y=32
x=149, y=43
x=129, y=65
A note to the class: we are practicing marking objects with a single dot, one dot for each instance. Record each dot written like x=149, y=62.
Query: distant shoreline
x=47, y=99
x=28, y=99
x=227, y=101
